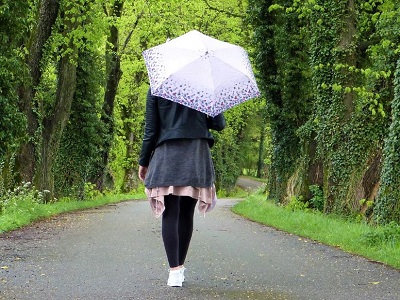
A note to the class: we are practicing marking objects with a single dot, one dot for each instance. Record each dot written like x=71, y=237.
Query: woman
x=176, y=167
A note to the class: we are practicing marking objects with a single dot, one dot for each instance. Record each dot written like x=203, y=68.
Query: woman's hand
x=142, y=172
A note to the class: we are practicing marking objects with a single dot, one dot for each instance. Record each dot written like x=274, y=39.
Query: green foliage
x=81, y=24
x=388, y=234
x=388, y=203
x=345, y=121
x=317, y=200
x=15, y=19
x=21, y=199
x=79, y=156
x=282, y=74
x=326, y=69
x=225, y=155
x=90, y=191
x=256, y=143
x=297, y=203
x=7, y=172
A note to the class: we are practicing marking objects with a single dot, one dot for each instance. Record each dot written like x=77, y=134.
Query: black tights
x=177, y=227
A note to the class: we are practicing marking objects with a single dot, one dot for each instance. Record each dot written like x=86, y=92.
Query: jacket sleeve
x=216, y=123
x=151, y=130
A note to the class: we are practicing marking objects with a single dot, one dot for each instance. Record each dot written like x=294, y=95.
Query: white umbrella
x=201, y=72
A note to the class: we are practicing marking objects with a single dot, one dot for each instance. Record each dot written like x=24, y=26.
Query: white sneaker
x=175, y=278
x=183, y=273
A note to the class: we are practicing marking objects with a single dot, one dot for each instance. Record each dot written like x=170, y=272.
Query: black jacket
x=166, y=120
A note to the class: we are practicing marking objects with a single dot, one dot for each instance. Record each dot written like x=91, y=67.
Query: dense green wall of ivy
x=15, y=19
x=388, y=203
x=78, y=160
x=326, y=68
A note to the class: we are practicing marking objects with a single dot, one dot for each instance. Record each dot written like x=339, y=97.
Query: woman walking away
x=176, y=167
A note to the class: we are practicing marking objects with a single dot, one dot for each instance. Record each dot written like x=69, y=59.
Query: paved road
x=115, y=252
x=248, y=183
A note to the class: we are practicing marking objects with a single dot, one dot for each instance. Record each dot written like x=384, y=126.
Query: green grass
x=25, y=211
x=381, y=244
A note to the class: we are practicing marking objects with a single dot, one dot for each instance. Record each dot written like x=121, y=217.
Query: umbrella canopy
x=201, y=72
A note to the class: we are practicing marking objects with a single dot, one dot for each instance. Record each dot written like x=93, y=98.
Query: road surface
x=248, y=184
x=115, y=252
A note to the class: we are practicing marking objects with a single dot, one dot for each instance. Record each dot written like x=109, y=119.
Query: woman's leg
x=185, y=227
x=177, y=227
x=170, y=231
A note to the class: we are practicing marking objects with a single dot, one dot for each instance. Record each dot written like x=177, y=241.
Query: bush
x=317, y=200
x=297, y=203
x=22, y=198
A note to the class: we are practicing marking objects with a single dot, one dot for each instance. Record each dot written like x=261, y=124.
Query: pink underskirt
x=207, y=197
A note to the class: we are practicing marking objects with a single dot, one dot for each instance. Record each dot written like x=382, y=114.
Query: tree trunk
x=315, y=170
x=260, y=163
x=114, y=74
x=48, y=11
x=130, y=177
x=263, y=133
x=132, y=139
x=368, y=186
x=56, y=120
x=54, y=125
x=346, y=55
x=387, y=206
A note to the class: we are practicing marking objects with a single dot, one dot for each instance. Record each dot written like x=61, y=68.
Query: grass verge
x=21, y=215
x=380, y=244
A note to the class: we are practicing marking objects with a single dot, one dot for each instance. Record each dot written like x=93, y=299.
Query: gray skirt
x=181, y=162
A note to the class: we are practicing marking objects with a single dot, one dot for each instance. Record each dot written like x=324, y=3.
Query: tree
x=387, y=206
x=388, y=200
x=343, y=55
x=113, y=73
x=47, y=15
x=52, y=58
x=15, y=19
x=80, y=148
